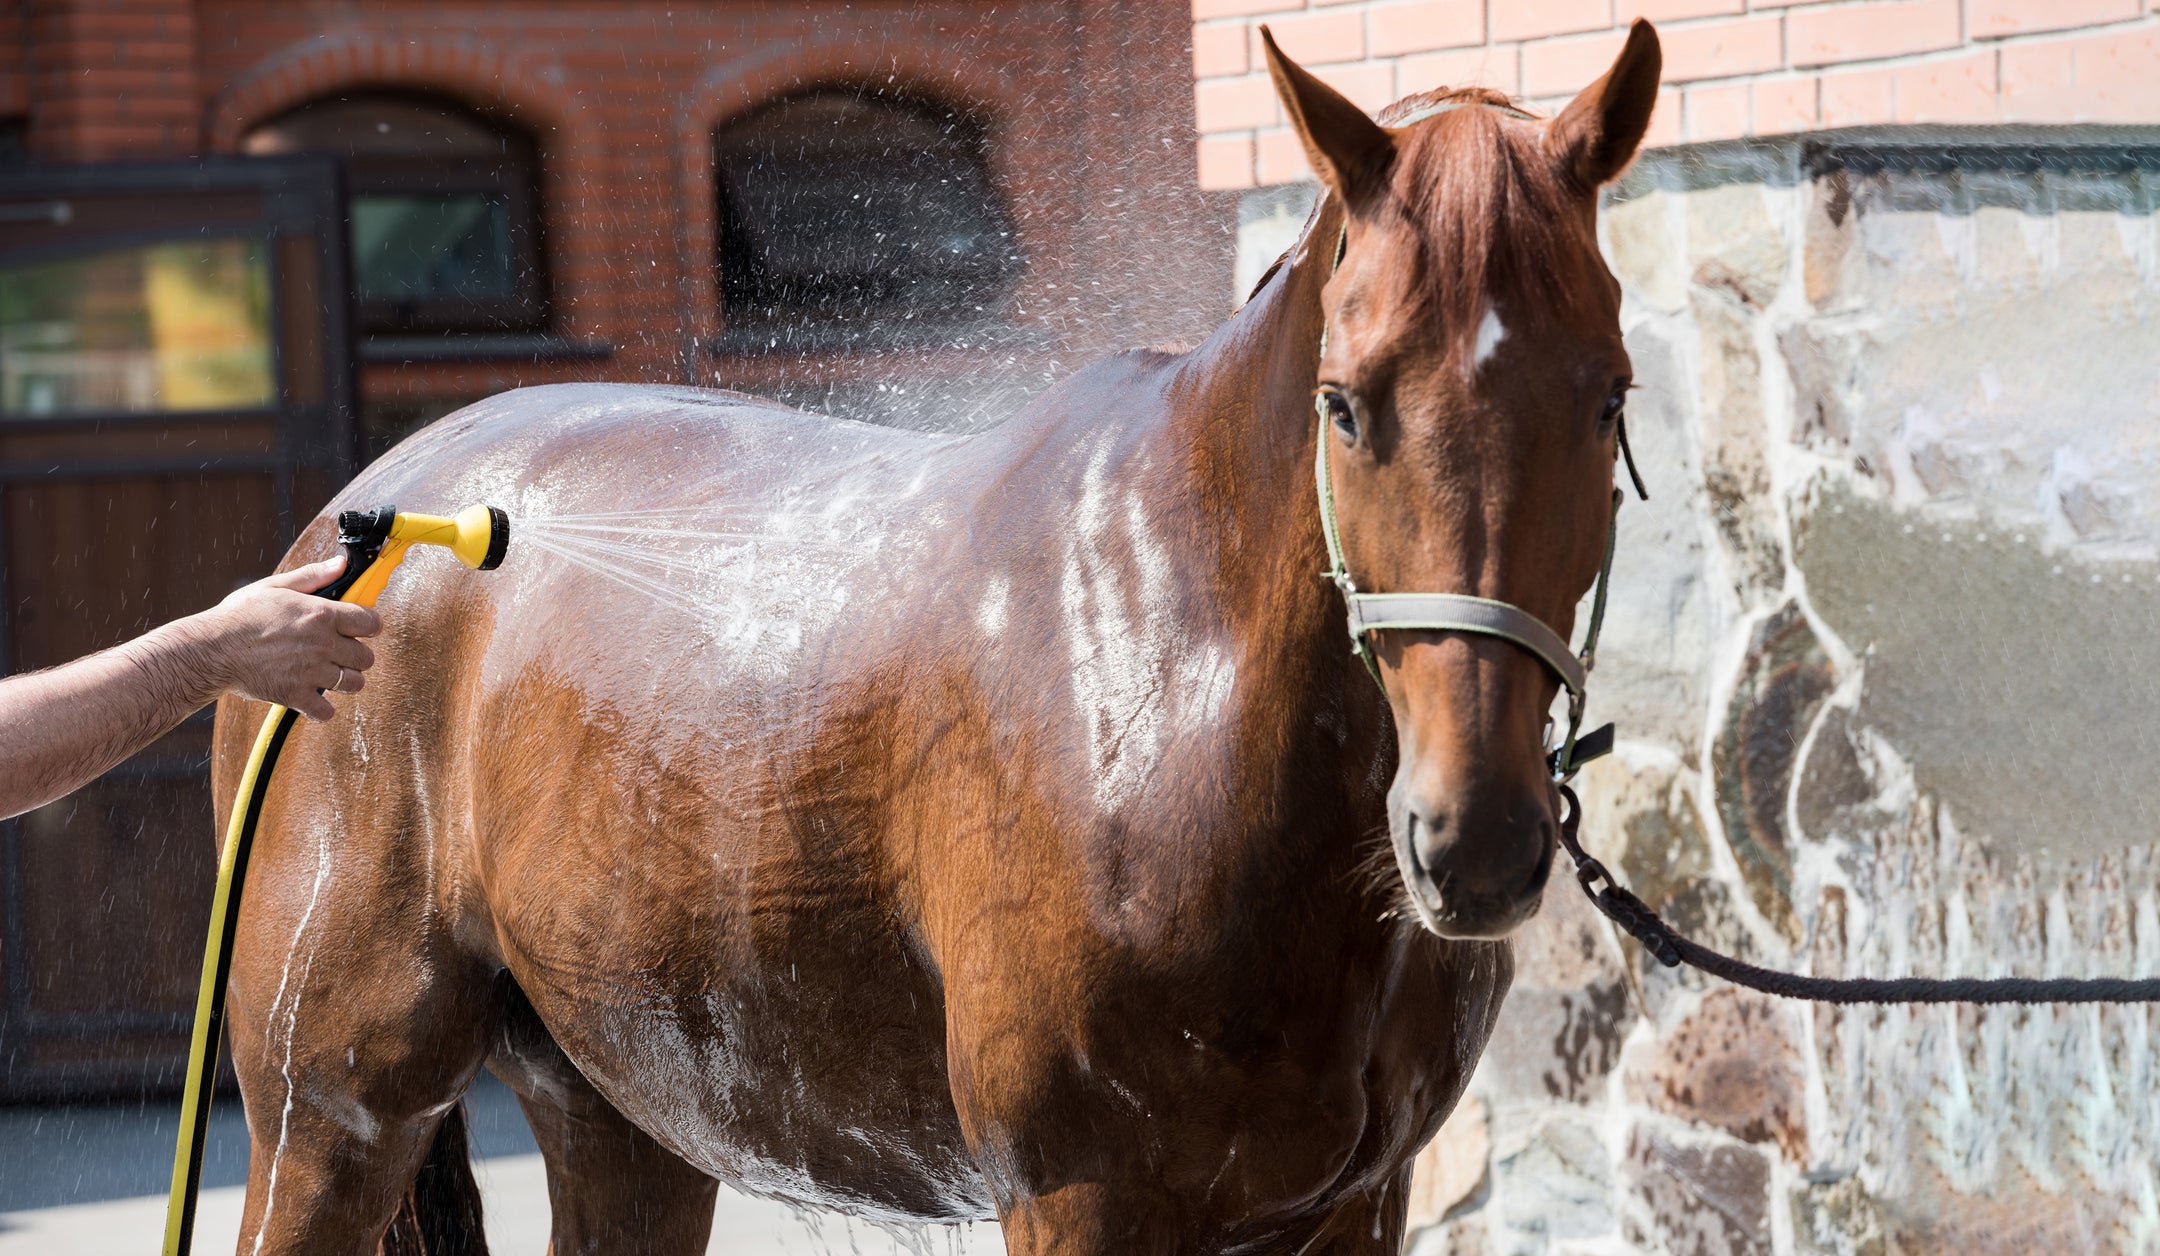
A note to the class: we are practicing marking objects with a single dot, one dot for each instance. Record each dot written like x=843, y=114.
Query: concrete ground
x=91, y=1180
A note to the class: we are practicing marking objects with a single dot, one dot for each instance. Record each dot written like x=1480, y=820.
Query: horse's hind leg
x=611, y=1187
x=352, y=1036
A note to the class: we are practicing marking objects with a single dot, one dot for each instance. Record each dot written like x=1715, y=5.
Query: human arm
x=272, y=640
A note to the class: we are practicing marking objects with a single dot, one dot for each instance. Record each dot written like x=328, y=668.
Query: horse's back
x=589, y=448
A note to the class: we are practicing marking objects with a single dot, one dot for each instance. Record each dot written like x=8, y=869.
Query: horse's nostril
x=1428, y=837
x=1546, y=847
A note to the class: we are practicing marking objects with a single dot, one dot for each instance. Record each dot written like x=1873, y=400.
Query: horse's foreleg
x=1094, y=1219
x=611, y=1187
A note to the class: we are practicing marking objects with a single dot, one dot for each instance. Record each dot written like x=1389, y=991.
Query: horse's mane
x=1499, y=220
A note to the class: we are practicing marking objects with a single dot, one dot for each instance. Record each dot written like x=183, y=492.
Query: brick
x=1281, y=158
x=1626, y=11
x=1864, y=32
x=1859, y=98
x=1786, y=106
x=1226, y=161
x=1370, y=85
x=1551, y=66
x=1530, y=19
x=1493, y=66
x=1723, y=49
x=1202, y=10
x=1664, y=120
x=1393, y=29
x=1310, y=39
x=1719, y=111
x=1219, y=50
x=1237, y=104
x=1992, y=19
x=1957, y=89
x=2098, y=78
x=2038, y=82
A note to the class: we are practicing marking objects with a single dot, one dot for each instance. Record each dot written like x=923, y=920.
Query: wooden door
x=175, y=398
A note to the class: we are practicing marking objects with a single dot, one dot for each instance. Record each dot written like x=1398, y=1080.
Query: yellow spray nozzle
x=478, y=535
x=375, y=542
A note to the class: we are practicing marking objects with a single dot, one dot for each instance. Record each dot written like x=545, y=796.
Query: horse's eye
x=1615, y=405
x=1334, y=406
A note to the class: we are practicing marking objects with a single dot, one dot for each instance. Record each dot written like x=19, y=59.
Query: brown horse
x=956, y=828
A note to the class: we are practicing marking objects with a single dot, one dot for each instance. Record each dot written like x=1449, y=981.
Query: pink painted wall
x=1733, y=67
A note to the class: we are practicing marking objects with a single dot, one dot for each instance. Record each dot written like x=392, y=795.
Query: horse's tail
x=440, y=1214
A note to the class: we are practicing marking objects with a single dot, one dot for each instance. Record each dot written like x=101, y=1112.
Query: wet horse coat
x=962, y=828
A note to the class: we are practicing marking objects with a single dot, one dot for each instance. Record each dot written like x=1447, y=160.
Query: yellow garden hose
x=375, y=543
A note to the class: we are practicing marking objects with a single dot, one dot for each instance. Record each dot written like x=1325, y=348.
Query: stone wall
x=1883, y=659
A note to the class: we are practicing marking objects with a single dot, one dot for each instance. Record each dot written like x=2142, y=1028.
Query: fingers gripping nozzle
x=375, y=542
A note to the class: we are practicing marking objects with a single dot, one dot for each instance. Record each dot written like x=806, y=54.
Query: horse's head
x=1472, y=377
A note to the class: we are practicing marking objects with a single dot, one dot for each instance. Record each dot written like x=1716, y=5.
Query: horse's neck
x=1246, y=433
x=1245, y=428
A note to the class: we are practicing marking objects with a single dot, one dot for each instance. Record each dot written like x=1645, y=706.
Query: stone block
x=1559, y=1032
x=1733, y=243
x=1464, y=1236
x=1559, y=1184
x=1733, y=1064
x=1699, y=1200
x=2015, y=719
x=1818, y=358
x=1662, y=626
x=1639, y=819
x=1452, y=1171
x=1783, y=680
x=1554, y=1045
x=1826, y=240
x=1736, y=461
x=1837, y=1219
x=1642, y=245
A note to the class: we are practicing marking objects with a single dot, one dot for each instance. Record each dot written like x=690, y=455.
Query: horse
x=968, y=828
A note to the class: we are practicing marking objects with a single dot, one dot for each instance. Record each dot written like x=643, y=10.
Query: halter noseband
x=1461, y=612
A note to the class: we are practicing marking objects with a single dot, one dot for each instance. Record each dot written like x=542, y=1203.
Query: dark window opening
x=441, y=206
x=838, y=208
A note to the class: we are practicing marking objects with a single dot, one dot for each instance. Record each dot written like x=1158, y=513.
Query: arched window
x=839, y=207
x=441, y=206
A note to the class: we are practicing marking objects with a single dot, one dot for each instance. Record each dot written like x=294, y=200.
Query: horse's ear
x=1349, y=151
x=1595, y=137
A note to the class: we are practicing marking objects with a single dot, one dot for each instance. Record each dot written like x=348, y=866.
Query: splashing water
x=645, y=551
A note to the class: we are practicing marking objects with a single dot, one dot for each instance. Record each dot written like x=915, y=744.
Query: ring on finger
x=340, y=685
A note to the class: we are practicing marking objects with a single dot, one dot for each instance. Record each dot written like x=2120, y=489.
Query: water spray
x=375, y=542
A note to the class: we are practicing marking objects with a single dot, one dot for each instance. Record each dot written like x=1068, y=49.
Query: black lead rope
x=1673, y=949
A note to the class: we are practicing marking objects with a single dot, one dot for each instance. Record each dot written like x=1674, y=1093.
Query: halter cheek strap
x=1461, y=612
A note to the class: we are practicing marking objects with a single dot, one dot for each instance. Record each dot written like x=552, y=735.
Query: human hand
x=275, y=641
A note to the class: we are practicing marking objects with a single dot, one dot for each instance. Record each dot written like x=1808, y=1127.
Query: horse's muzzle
x=1473, y=868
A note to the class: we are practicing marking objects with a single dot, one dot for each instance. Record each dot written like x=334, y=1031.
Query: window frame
x=514, y=175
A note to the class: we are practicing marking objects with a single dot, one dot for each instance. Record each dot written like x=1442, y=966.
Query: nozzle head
x=498, y=538
x=483, y=537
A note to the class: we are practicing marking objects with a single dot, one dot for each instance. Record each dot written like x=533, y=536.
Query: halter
x=1461, y=612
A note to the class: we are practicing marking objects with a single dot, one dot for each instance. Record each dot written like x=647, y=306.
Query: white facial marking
x=1490, y=332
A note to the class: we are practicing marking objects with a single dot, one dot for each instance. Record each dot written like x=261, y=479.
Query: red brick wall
x=1733, y=67
x=1088, y=105
x=109, y=80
